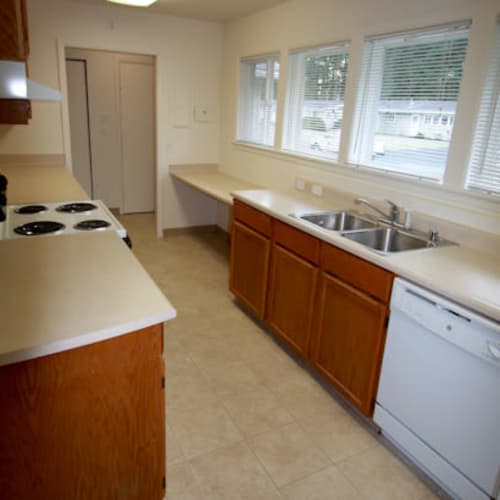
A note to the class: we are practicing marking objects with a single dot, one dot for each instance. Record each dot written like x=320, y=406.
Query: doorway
x=111, y=99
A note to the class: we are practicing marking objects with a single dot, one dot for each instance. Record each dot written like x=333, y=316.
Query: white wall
x=301, y=23
x=188, y=58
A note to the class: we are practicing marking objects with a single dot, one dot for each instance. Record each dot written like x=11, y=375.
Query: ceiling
x=209, y=10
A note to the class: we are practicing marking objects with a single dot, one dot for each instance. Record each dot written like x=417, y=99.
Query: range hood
x=15, y=85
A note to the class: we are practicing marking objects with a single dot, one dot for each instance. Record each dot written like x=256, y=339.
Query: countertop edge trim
x=85, y=339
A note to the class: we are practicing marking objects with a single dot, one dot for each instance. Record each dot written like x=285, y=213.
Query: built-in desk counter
x=208, y=180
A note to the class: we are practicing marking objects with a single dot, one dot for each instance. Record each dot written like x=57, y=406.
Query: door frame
x=160, y=124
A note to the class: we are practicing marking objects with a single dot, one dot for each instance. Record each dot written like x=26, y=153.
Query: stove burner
x=92, y=225
x=31, y=209
x=39, y=227
x=73, y=208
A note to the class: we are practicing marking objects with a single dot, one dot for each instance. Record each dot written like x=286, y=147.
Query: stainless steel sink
x=388, y=240
x=338, y=221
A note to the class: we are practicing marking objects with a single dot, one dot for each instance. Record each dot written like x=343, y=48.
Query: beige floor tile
x=203, y=430
x=179, y=363
x=288, y=454
x=303, y=396
x=257, y=412
x=231, y=378
x=328, y=484
x=173, y=449
x=381, y=476
x=234, y=473
x=183, y=484
x=189, y=390
x=338, y=434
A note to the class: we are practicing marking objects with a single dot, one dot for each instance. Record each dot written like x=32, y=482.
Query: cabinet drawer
x=358, y=272
x=296, y=241
x=251, y=217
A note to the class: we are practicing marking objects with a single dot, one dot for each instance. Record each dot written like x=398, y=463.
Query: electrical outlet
x=300, y=184
x=317, y=189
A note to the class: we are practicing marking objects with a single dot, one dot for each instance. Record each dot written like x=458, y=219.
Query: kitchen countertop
x=41, y=183
x=467, y=276
x=62, y=292
x=66, y=291
x=208, y=180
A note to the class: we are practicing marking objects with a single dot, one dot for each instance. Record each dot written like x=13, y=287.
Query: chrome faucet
x=392, y=217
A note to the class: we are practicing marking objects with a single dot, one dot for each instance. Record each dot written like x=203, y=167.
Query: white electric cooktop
x=48, y=219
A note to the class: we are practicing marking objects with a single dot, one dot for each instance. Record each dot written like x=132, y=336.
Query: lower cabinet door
x=291, y=298
x=249, y=267
x=349, y=340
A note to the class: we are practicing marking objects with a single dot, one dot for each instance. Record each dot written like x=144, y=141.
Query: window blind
x=258, y=95
x=407, y=98
x=315, y=100
x=484, y=171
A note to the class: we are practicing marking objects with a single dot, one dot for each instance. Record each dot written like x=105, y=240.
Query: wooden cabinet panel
x=14, y=45
x=356, y=271
x=349, y=341
x=251, y=217
x=85, y=423
x=297, y=241
x=291, y=298
x=249, y=267
x=15, y=111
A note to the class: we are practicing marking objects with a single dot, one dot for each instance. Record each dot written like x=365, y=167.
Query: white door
x=137, y=137
x=79, y=123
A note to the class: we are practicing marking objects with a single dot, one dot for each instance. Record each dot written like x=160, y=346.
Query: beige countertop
x=66, y=291
x=469, y=277
x=62, y=292
x=208, y=180
x=41, y=183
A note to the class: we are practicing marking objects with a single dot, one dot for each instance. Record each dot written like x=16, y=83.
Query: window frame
x=489, y=112
x=370, y=83
x=295, y=93
x=244, y=100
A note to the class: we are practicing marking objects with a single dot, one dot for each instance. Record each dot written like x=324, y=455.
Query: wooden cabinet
x=350, y=331
x=15, y=111
x=14, y=46
x=14, y=41
x=250, y=252
x=292, y=286
x=328, y=305
x=349, y=340
x=85, y=423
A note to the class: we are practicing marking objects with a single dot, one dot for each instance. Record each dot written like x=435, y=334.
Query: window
x=315, y=100
x=484, y=171
x=258, y=93
x=412, y=74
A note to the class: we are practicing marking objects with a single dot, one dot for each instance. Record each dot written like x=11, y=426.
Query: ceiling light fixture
x=135, y=3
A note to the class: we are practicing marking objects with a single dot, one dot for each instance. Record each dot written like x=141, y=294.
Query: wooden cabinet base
x=85, y=423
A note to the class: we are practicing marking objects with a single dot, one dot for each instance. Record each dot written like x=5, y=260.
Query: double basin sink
x=369, y=232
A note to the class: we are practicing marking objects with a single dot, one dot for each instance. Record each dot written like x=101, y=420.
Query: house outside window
x=258, y=96
x=315, y=100
x=415, y=74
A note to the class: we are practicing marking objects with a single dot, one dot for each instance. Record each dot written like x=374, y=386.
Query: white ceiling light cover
x=135, y=3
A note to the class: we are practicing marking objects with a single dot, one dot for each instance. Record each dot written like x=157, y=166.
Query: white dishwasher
x=439, y=393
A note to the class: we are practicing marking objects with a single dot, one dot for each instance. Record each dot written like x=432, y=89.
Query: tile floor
x=245, y=419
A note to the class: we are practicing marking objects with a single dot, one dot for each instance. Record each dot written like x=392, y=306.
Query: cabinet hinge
x=386, y=321
x=163, y=382
x=163, y=483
